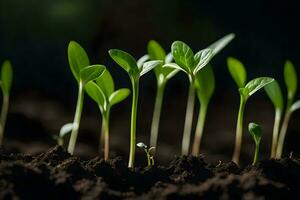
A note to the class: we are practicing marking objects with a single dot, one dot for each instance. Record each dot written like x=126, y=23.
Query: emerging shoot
x=238, y=73
x=256, y=133
x=65, y=130
x=135, y=70
x=149, y=153
x=6, y=81
x=103, y=92
x=83, y=73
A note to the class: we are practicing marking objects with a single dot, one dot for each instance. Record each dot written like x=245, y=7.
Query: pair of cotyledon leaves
x=239, y=75
x=96, y=79
x=255, y=131
x=6, y=77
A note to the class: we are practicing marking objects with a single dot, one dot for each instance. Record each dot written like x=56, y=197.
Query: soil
x=56, y=174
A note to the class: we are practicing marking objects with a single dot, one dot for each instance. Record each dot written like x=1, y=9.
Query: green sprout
x=65, y=130
x=149, y=153
x=83, y=73
x=135, y=70
x=156, y=52
x=103, y=92
x=291, y=82
x=256, y=133
x=239, y=74
x=6, y=81
x=274, y=92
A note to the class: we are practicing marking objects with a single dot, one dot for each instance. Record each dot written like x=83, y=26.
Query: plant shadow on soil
x=56, y=174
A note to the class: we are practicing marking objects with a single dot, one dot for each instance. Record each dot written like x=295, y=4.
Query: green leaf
x=202, y=58
x=169, y=58
x=148, y=66
x=290, y=78
x=124, y=60
x=237, y=71
x=274, y=92
x=155, y=51
x=295, y=106
x=141, y=145
x=65, y=129
x=6, y=77
x=255, y=131
x=91, y=73
x=95, y=92
x=183, y=56
x=118, y=96
x=174, y=66
x=255, y=85
x=142, y=60
x=205, y=84
x=106, y=83
x=78, y=59
x=221, y=43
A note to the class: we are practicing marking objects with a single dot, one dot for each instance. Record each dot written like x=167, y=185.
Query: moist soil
x=56, y=174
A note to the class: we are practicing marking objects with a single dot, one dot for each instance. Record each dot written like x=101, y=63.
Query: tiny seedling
x=135, y=70
x=6, y=81
x=239, y=75
x=274, y=92
x=256, y=133
x=83, y=73
x=65, y=129
x=103, y=92
x=291, y=82
x=149, y=153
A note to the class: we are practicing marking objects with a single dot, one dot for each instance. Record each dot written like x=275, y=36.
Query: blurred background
x=34, y=35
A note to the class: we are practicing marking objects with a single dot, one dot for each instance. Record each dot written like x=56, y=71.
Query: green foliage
x=149, y=153
x=254, y=85
x=91, y=73
x=183, y=56
x=202, y=58
x=274, y=93
x=290, y=78
x=6, y=77
x=237, y=71
x=118, y=96
x=221, y=43
x=255, y=132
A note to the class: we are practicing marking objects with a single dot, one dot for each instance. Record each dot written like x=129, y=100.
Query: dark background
x=34, y=35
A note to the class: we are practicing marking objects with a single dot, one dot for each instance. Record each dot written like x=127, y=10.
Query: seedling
x=135, y=71
x=256, y=133
x=149, y=153
x=239, y=75
x=83, y=73
x=291, y=82
x=6, y=81
x=103, y=92
x=274, y=92
x=65, y=130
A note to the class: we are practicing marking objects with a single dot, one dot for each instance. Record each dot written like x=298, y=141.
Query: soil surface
x=58, y=175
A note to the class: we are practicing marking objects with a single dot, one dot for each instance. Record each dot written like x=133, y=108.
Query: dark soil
x=57, y=175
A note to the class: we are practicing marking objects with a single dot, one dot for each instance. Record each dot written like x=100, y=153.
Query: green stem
x=255, y=159
x=156, y=114
x=188, y=118
x=4, y=111
x=276, y=126
x=77, y=118
x=135, y=94
x=104, y=137
x=148, y=158
x=239, y=132
x=282, y=133
x=199, y=129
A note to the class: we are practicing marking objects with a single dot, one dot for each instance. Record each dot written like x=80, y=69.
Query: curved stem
x=282, y=133
x=77, y=118
x=156, y=114
x=199, y=129
x=135, y=94
x=4, y=111
x=188, y=118
x=275, y=132
x=239, y=132
x=255, y=159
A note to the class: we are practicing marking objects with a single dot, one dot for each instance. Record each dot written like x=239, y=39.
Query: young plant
x=274, y=92
x=6, y=81
x=83, y=73
x=149, y=153
x=239, y=75
x=256, y=133
x=135, y=71
x=65, y=129
x=156, y=52
x=291, y=82
x=103, y=92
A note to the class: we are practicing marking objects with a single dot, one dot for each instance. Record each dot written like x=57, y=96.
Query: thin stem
x=156, y=114
x=135, y=94
x=255, y=159
x=148, y=158
x=199, y=129
x=188, y=118
x=275, y=132
x=77, y=118
x=4, y=111
x=239, y=132
x=60, y=141
x=282, y=133
x=104, y=137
